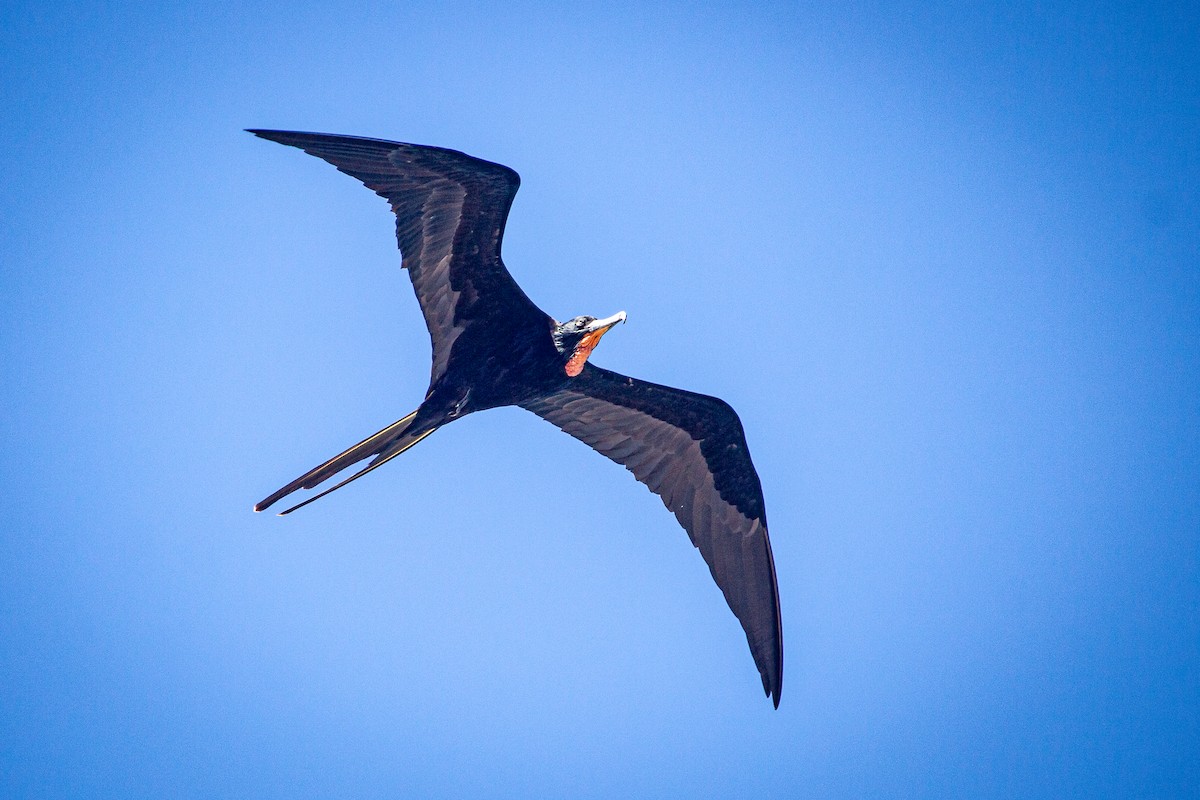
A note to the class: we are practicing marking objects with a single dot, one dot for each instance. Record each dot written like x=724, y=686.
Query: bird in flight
x=493, y=347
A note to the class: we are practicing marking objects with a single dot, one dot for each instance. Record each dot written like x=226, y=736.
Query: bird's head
x=576, y=338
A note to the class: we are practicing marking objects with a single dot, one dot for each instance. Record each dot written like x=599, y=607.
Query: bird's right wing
x=450, y=214
x=690, y=450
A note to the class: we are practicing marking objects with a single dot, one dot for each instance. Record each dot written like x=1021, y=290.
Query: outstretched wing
x=690, y=450
x=450, y=213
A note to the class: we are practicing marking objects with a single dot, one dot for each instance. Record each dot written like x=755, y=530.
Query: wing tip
x=272, y=135
x=773, y=688
x=293, y=138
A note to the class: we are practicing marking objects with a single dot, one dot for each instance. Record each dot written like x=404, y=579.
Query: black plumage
x=493, y=347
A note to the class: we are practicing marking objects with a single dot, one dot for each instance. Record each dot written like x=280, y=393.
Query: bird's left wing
x=450, y=210
x=690, y=450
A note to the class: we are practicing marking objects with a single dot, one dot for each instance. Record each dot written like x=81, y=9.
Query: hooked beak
x=591, y=338
x=600, y=327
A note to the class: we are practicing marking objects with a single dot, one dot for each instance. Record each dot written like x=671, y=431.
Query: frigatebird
x=493, y=347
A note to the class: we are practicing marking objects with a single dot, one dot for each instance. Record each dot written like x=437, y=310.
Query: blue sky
x=942, y=259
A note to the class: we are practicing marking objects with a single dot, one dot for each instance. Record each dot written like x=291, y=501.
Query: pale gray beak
x=605, y=324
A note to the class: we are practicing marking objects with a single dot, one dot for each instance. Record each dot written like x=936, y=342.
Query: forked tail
x=384, y=445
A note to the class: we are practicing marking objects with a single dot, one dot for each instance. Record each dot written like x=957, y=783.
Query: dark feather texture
x=689, y=449
x=493, y=347
x=450, y=213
